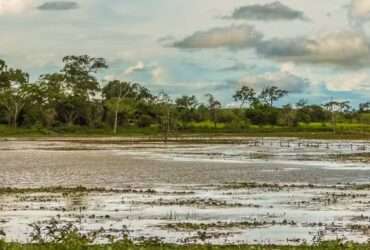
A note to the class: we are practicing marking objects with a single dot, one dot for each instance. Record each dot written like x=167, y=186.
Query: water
x=189, y=184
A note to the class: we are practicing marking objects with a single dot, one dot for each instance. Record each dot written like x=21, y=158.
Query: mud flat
x=281, y=192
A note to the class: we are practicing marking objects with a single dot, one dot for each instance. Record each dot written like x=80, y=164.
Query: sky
x=317, y=50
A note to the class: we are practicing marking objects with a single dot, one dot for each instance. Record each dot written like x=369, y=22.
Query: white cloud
x=154, y=71
x=233, y=37
x=339, y=47
x=360, y=9
x=132, y=69
x=346, y=48
x=281, y=79
x=359, y=14
x=14, y=6
x=354, y=81
x=288, y=67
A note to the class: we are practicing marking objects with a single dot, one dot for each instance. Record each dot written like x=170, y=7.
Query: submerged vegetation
x=78, y=219
x=68, y=237
x=209, y=201
x=76, y=245
x=75, y=101
x=223, y=225
x=71, y=190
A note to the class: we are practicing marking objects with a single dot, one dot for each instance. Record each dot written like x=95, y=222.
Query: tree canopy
x=76, y=96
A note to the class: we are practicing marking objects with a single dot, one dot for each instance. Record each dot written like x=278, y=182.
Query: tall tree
x=186, y=106
x=115, y=94
x=245, y=96
x=334, y=107
x=82, y=85
x=4, y=75
x=50, y=94
x=269, y=95
x=14, y=92
x=165, y=102
x=80, y=74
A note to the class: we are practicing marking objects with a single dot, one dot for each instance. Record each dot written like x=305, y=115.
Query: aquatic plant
x=153, y=244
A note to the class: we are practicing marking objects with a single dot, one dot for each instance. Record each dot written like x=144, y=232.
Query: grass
x=305, y=131
x=78, y=245
x=59, y=236
x=187, y=226
x=210, y=202
x=71, y=190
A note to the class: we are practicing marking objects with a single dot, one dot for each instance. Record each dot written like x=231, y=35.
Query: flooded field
x=257, y=191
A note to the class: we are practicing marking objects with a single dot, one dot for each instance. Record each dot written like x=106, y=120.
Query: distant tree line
x=74, y=97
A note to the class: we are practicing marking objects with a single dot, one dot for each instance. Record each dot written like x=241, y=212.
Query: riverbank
x=182, y=137
x=314, y=131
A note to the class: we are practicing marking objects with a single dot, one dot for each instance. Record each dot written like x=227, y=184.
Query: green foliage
x=74, y=101
x=271, y=94
x=245, y=95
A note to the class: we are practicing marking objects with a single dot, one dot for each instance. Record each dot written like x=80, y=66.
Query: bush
x=144, y=121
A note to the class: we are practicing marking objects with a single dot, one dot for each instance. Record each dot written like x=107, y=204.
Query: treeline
x=74, y=97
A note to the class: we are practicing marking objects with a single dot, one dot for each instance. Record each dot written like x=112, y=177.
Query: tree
x=79, y=74
x=334, y=107
x=303, y=111
x=164, y=103
x=288, y=116
x=80, y=86
x=143, y=94
x=186, y=106
x=48, y=93
x=262, y=114
x=13, y=92
x=271, y=94
x=245, y=95
x=213, y=106
x=364, y=107
x=4, y=75
x=301, y=104
x=115, y=94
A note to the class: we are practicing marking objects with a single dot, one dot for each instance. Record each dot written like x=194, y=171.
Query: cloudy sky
x=315, y=49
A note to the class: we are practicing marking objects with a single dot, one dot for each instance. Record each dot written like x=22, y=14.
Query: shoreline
x=232, y=138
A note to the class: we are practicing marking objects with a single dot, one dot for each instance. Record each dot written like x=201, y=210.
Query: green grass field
x=204, y=129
